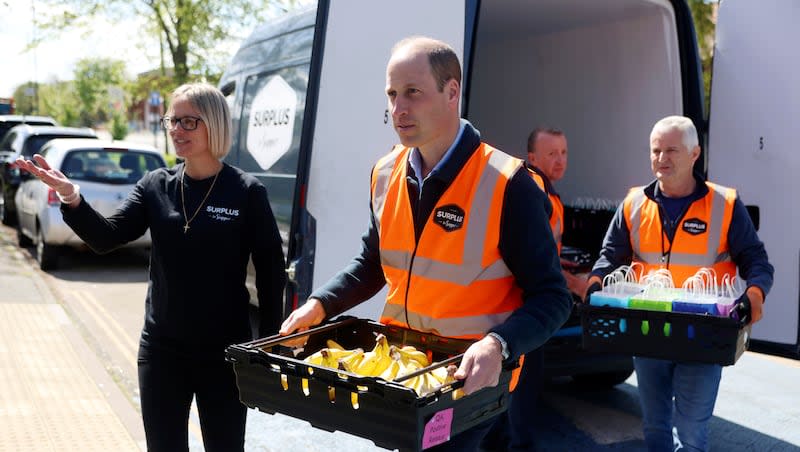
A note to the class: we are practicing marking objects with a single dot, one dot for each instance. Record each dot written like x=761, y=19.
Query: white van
x=307, y=92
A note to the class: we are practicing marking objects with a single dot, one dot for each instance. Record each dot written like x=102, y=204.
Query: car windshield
x=109, y=166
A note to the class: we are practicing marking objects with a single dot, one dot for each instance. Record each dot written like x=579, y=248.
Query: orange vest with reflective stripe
x=701, y=238
x=557, y=215
x=453, y=282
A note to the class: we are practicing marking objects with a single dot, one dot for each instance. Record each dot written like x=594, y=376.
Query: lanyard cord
x=665, y=254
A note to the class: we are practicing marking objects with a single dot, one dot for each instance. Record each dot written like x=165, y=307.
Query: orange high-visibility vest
x=453, y=282
x=557, y=215
x=701, y=239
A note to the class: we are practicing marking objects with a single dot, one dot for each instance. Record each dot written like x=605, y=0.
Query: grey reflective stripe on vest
x=557, y=231
x=637, y=201
x=696, y=260
x=477, y=222
x=384, y=172
x=453, y=327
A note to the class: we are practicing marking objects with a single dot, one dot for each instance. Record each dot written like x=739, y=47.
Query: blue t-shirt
x=673, y=207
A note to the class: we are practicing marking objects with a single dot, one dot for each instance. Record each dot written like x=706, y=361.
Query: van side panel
x=353, y=128
x=755, y=106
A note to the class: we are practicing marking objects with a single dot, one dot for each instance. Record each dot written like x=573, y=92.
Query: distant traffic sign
x=155, y=98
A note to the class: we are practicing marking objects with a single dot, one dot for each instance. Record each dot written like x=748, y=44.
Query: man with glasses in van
x=682, y=222
x=452, y=232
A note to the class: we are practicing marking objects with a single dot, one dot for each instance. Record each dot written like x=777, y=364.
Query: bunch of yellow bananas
x=385, y=361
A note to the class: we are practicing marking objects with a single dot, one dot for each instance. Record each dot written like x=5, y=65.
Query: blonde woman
x=206, y=219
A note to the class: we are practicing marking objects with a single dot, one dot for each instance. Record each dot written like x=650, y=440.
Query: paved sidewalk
x=54, y=393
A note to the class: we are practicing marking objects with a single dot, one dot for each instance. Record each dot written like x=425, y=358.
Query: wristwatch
x=503, y=344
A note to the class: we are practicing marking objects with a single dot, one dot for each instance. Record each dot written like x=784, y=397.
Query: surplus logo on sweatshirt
x=222, y=213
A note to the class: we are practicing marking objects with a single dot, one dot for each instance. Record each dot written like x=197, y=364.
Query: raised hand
x=53, y=178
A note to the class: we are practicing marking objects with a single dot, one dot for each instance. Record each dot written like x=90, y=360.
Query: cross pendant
x=185, y=228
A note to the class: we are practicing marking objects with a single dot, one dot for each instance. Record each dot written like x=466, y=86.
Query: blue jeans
x=680, y=423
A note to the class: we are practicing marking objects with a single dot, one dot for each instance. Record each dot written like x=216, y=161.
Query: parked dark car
x=26, y=140
x=9, y=121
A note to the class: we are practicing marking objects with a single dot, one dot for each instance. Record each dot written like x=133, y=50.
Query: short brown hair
x=539, y=130
x=442, y=58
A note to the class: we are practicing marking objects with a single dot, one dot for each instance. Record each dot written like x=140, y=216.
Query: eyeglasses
x=186, y=122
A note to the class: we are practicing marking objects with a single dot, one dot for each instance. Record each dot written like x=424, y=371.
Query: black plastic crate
x=692, y=337
x=270, y=379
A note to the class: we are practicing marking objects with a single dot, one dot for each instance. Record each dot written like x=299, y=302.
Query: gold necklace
x=183, y=200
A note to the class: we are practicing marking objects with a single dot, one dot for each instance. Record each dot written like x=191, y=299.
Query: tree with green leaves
x=703, y=13
x=25, y=97
x=190, y=31
x=100, y=85
x=59, y=100
x=55, y=98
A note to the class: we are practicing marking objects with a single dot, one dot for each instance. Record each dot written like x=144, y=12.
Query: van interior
x=603, y=72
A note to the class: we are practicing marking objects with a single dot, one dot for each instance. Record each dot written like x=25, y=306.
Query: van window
x=269, y=135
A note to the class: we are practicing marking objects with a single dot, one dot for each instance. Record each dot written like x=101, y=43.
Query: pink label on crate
x=437, y=430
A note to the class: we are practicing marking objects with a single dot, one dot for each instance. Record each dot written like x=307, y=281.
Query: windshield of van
x=109, y=166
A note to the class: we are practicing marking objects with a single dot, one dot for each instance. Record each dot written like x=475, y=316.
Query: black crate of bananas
x=391, y=385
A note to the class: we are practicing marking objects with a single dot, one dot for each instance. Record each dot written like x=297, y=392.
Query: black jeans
x=167, y=383
x=513, y=430
x=467, y=441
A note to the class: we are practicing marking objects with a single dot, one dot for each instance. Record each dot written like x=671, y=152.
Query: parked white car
x=106, y=171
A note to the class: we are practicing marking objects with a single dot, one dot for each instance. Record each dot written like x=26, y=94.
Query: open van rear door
x=348, y=87
x=755, y=107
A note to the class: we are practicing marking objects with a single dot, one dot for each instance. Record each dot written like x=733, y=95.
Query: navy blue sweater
x=526, y=245
x=744, y=246
x=197, y=302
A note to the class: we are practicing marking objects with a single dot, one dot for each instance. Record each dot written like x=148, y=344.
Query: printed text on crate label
x=437, y=430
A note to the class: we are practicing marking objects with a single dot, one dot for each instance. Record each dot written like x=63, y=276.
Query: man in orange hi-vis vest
x=452, y=233
x=547, y=163
x=682, y=222
x=547, y=160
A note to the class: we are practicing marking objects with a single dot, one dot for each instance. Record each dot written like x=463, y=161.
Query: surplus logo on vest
x=222, y=213
x=449, y=217
x=694, y=226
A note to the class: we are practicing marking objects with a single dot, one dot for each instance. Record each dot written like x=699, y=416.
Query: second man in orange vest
x=681, y=222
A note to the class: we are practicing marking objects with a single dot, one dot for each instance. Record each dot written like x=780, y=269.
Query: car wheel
x=23, y=240
x=602, y=380
x=5, y=217
x=47, y=255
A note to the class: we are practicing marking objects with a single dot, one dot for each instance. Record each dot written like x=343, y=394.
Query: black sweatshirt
x=526, y=245
x=197, y=302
